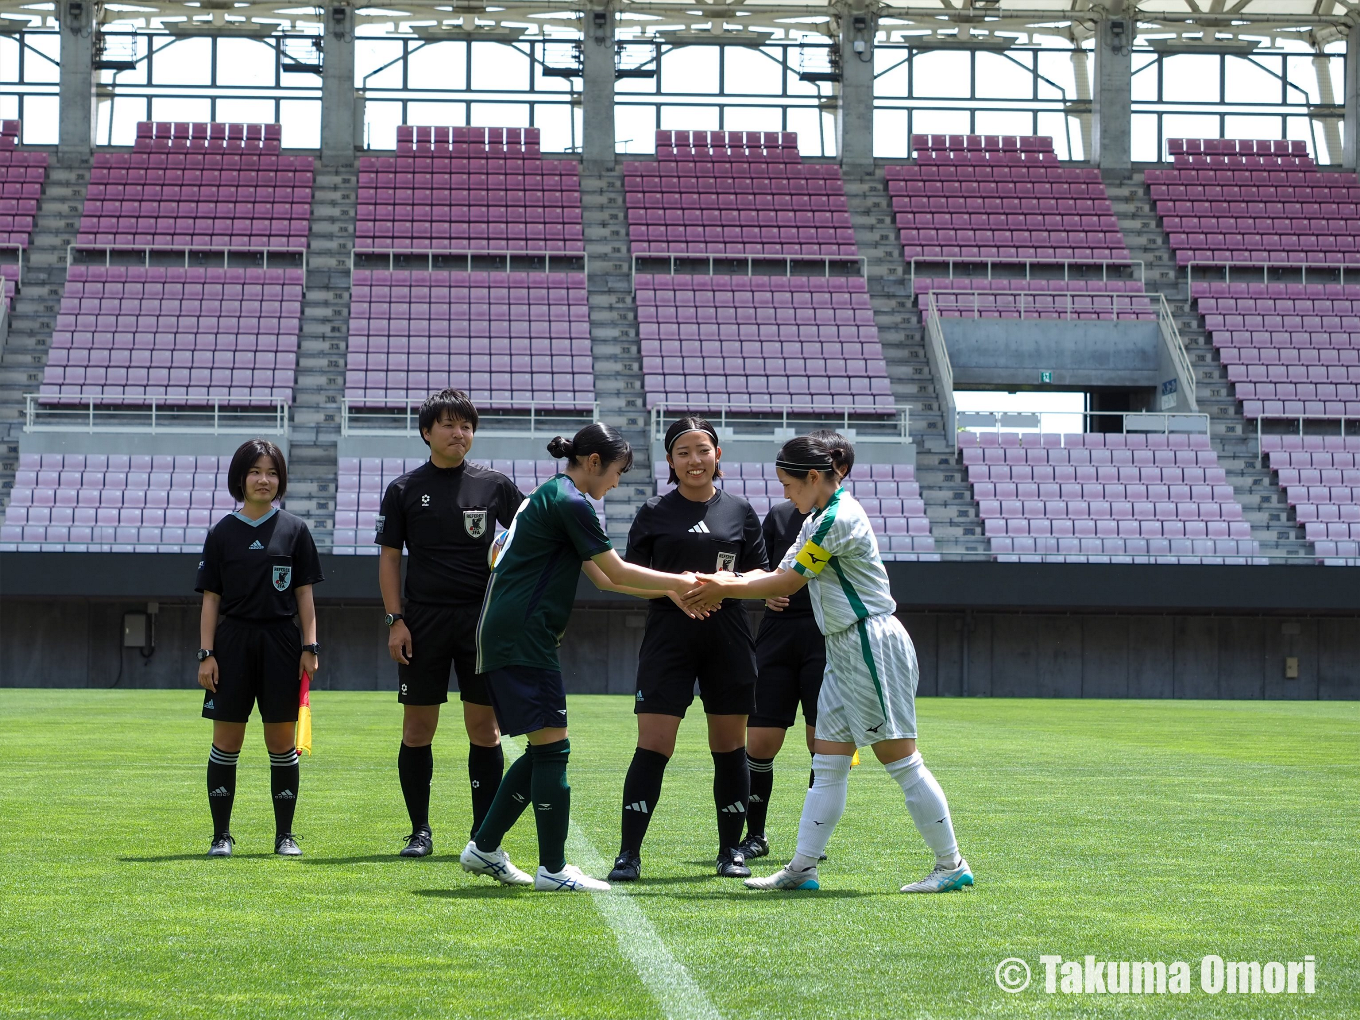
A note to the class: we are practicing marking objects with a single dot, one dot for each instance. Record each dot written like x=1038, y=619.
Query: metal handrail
x=430, y=254
x=1171, y=338
x=188, y=250
x=937, y=355
x=409, y=415
x=899, y=419
x=1066, y=264
x=825, y=260
x=1160, y=421
x=1225, y=269
x=95, y=415
x=1338, y=419
x=1026, y=303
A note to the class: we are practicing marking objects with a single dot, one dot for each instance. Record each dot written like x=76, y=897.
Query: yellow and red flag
x=304, y=720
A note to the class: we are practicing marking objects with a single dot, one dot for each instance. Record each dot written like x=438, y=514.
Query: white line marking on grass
x=678, y=994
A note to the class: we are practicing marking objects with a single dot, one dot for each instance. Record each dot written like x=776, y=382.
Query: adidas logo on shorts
x=735, y=808
x=700, y=529
x=209, y=704
x=637, y=805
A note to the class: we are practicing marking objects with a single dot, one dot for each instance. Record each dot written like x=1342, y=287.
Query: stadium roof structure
x=1185, y=25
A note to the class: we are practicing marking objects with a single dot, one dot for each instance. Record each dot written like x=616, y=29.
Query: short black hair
x=597, y=437
x=454, y=403
x=689, y=423
x=244, y=459
x=803, y=454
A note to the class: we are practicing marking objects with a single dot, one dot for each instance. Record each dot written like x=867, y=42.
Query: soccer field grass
x=1129, y=830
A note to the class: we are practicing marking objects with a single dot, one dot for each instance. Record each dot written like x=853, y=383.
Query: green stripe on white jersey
x=856, y=587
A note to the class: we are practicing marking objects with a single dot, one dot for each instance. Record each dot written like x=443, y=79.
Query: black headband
x=710, y=432
x=789, y=465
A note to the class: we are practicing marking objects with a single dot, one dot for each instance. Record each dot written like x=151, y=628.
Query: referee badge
x=474, y=523
x=726, y=561
x=281, y=576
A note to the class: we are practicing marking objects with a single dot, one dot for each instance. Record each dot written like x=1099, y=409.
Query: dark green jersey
x=533, y=585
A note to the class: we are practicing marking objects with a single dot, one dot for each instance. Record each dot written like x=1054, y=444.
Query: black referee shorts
x=255, y=662
x=676, y=651
x=443, y=639
x=791, y=657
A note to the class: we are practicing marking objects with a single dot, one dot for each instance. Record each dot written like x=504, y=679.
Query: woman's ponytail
x=559, y=448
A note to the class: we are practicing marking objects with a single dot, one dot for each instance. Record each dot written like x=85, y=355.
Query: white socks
x=925, y=801
x=822, y=809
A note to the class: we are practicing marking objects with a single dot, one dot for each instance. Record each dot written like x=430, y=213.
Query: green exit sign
x=1045, y=376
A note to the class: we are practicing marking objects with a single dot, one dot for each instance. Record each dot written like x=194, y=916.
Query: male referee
x=445, y=513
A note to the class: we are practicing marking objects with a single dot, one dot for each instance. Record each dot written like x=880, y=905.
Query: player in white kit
x=868, y=694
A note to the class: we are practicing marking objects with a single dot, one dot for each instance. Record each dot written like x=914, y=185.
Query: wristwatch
x=204, y=653
x=392, y=618
x=314, y=648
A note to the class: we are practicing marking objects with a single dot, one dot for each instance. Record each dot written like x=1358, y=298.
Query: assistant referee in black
x=445, y=513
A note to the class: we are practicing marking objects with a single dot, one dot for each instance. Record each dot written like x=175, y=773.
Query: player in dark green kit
x=528, y=603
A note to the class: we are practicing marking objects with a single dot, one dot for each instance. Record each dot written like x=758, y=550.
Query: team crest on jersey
x=474, y=523
x=726, y=561
x=281, y=576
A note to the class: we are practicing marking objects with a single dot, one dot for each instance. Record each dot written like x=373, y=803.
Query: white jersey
x=856, y=587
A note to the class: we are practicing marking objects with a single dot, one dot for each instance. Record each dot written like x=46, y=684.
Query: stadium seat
x=1320, y=476
x=1124, y=498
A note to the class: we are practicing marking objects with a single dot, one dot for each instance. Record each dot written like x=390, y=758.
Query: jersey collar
x=830, y=502
x=255, y=524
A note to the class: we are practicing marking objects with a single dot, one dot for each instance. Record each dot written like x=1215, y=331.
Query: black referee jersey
x=256, y=566
x=675, y=534
x=780, y=530
x=446, y=518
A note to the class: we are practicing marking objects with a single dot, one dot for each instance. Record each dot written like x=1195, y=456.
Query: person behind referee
x=259, y=564
x=445, y=512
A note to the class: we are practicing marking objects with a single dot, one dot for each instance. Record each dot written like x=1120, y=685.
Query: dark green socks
x=539, y=775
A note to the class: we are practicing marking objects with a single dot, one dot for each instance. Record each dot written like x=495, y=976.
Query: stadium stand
x=741, y=193
x=469, y=189
x=778, y=339
x=889, y=493
x=1245, y=201
x=1321, y=479
x=176, y=335
x=980, y=198
x=1290, y=348
x=511, y=339
x=747, y=195
x=96, y=503
x=515, y=339
x=1100, y=498
x=362, y=482
x=21, y=184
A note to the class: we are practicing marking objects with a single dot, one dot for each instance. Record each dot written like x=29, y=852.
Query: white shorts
x=869, y=688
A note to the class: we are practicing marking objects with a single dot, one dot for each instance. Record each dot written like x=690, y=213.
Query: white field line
x=678, y=995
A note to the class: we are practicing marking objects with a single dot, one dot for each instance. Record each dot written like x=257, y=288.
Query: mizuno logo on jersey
x=700, y=529
x=255, y=545
x=637, y=805
x=811, y=558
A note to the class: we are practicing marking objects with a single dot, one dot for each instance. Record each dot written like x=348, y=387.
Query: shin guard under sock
x=731, y=790
x=221, y=787
x=552, y=802
x=641, y=791
x=415, y=767
x=762, y=786
x=283, y=784
x=485, y=765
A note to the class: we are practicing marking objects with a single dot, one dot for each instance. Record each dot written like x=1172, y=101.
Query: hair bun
x=559, y=447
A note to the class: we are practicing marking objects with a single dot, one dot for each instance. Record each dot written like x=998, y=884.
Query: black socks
x=221, y=787
x=283, y=784
x=485, y=765
x=415, y=766
x=552, y=802
x=641, y=791
x=731, y=790
x=762, y=785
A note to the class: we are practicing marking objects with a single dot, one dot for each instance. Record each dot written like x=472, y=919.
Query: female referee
x=697, y=527
x=259, y=564
x=868, y=693
x=528, y=602
x=790, y=661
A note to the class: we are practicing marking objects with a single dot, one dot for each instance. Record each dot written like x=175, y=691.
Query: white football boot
x=943, y=879
x=494, y=865
x=786, y=880
x=569, y=879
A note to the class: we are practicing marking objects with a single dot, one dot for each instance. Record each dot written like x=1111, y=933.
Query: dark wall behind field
x=72, y=642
